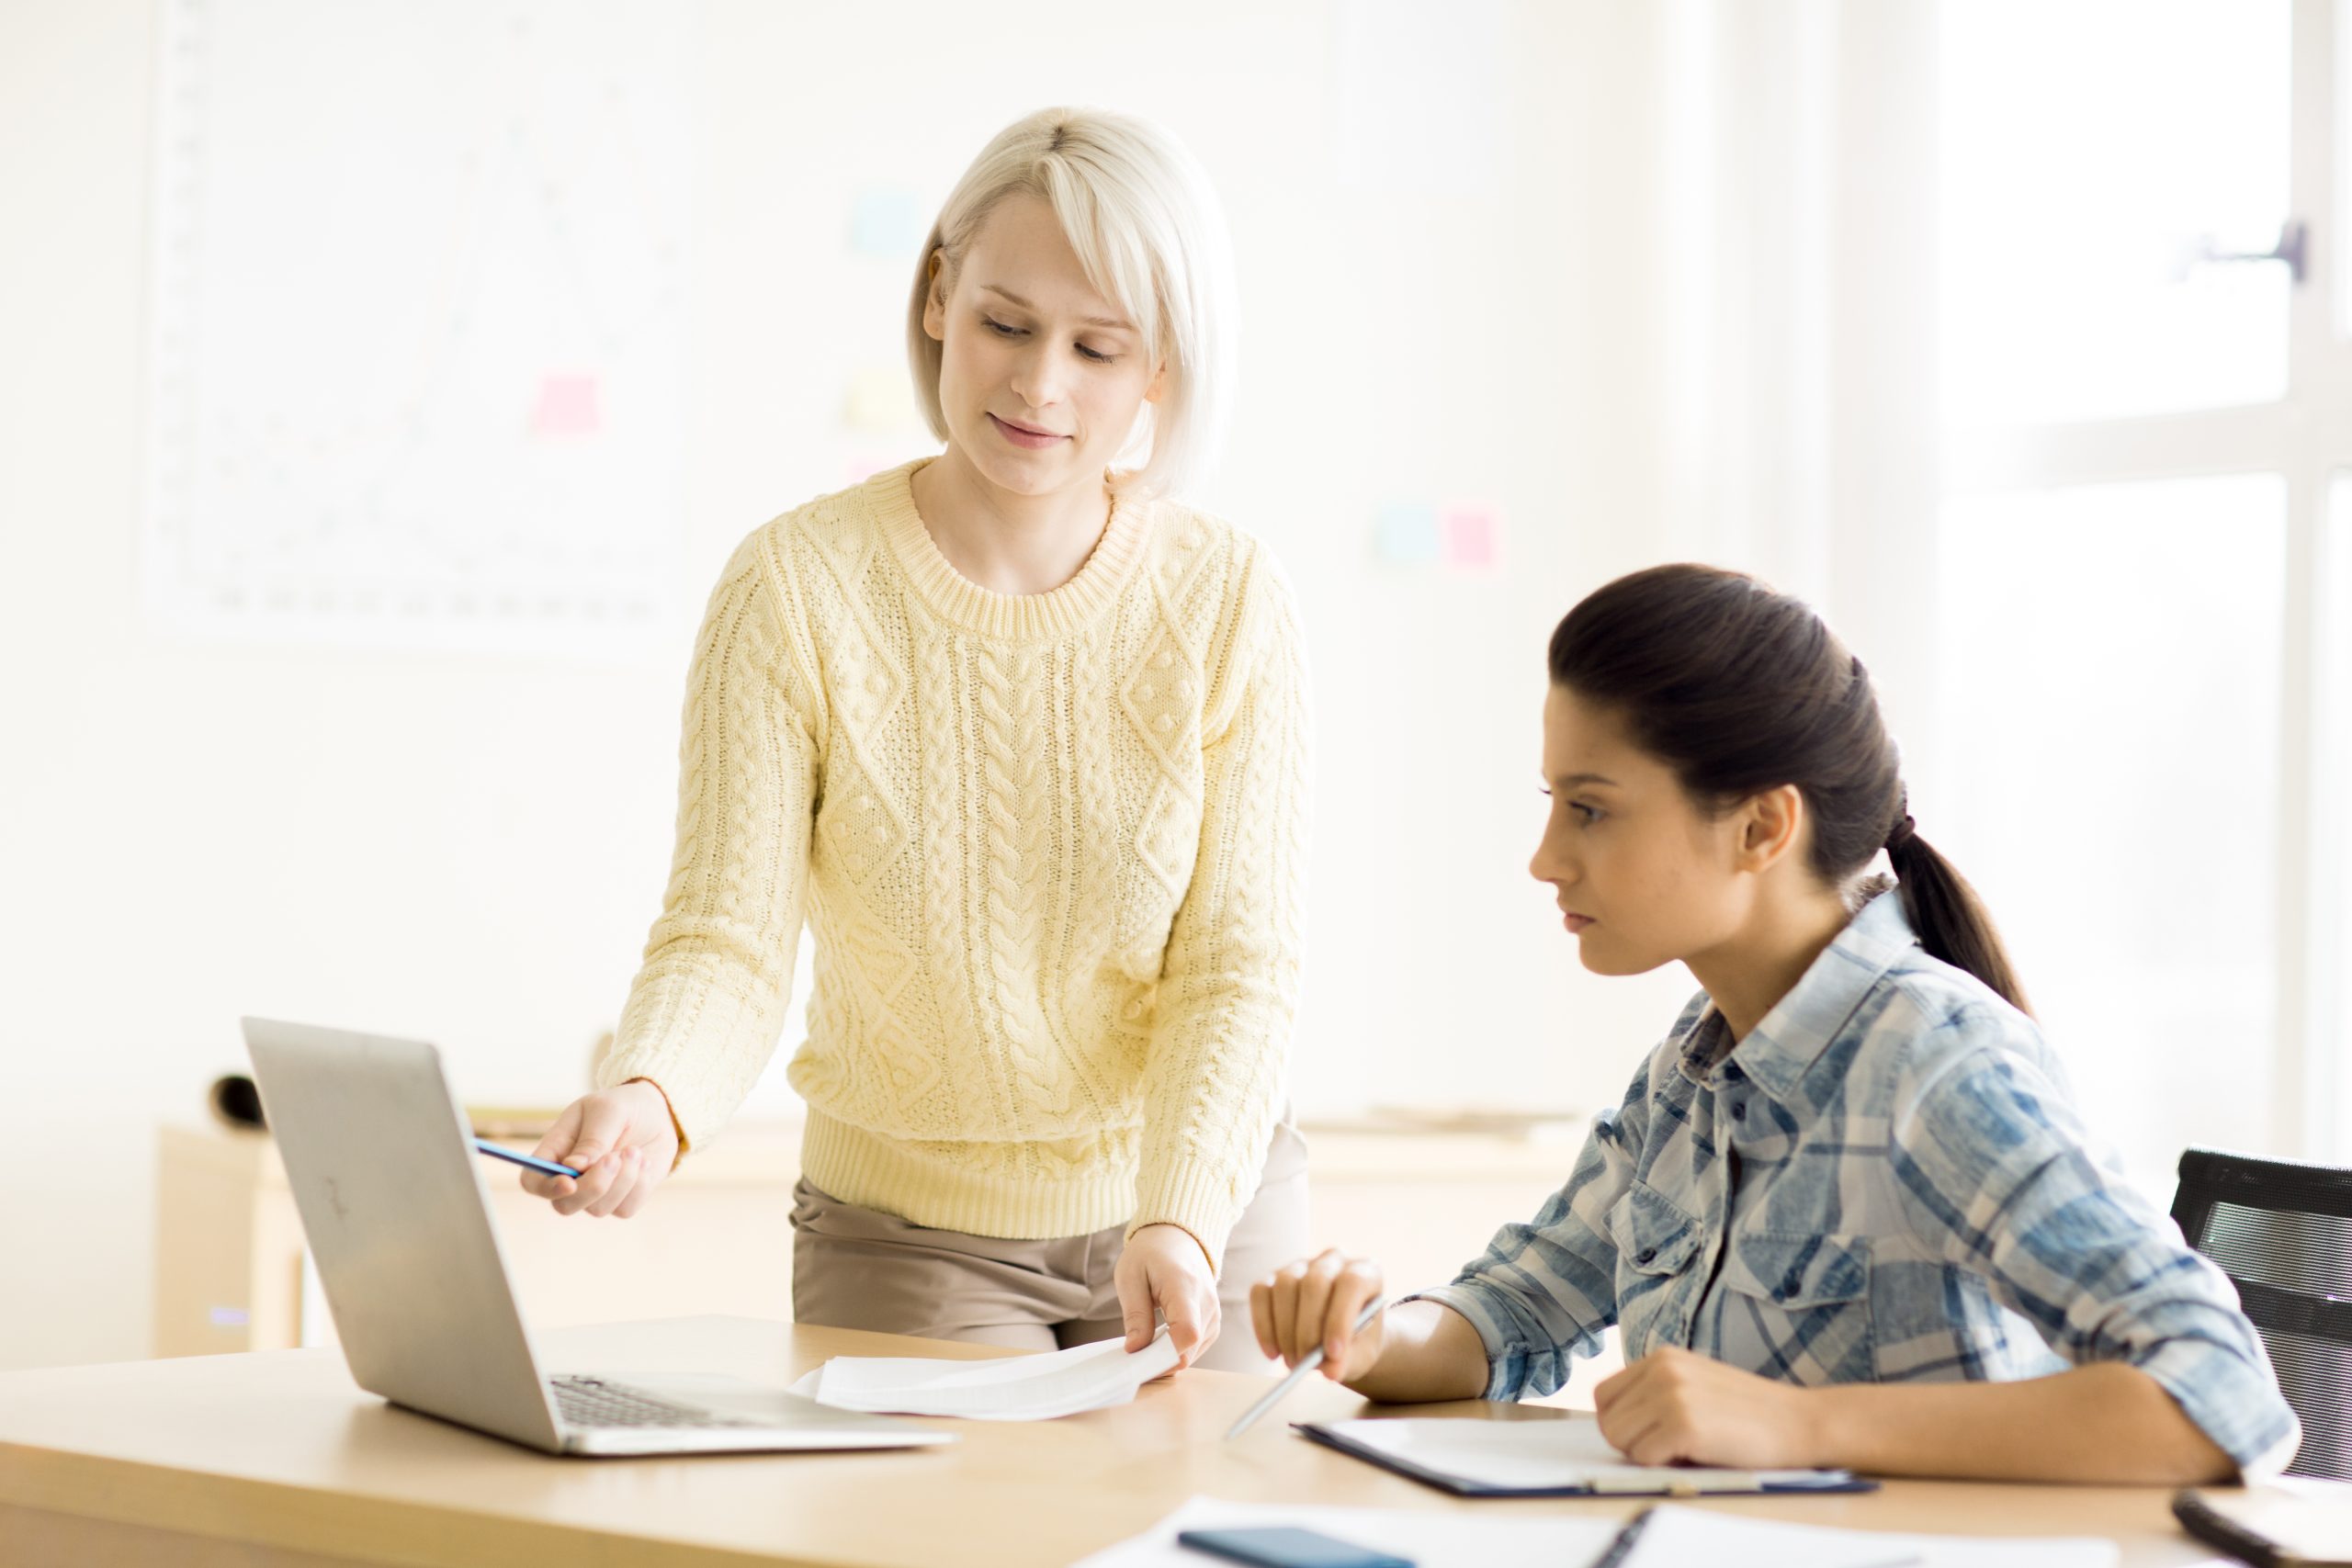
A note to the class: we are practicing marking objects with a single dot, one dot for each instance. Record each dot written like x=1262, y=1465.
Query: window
x=2142, y=718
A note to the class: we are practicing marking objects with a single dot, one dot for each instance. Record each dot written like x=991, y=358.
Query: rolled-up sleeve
x=1545, y=1289
x=1993, y=1165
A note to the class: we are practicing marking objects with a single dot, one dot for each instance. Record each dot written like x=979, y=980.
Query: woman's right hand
x=1315, y=1301
x=622, y=1142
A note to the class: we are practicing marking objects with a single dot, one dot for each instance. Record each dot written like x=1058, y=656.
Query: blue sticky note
x=1405, y=532
x=885, y=220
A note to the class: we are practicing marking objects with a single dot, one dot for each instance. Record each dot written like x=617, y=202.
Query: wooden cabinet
x=228, y=1260
x=718, y=1238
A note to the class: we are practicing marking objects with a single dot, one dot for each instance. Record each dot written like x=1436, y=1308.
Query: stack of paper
x=1013, y=1388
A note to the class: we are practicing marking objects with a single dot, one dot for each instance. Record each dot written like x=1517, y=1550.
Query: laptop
x=382, y=1162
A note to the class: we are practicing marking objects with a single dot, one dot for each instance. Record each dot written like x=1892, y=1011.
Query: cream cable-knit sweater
x=1052, y=848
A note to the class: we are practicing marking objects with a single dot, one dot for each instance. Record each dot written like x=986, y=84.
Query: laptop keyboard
x=591, y=1401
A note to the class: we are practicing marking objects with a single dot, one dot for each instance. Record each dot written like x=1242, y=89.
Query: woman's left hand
x=1163, y=1267
x=1674, y=1406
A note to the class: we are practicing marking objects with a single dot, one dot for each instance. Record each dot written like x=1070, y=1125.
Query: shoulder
x=783, y=556
x=1941, y=1042
x=1231, y=595
x=1233, y=572
x=842, y=521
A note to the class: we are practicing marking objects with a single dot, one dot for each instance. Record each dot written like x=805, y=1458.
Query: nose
x=1037, y=376
x=1547, y=864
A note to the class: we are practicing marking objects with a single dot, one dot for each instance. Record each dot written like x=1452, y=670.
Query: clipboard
x=1545, y=1459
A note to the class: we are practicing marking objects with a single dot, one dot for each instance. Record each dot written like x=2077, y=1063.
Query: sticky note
x=567, y=405
x=886, y=220
x=880, y=397
x=1405, y=532
x=1470, y=541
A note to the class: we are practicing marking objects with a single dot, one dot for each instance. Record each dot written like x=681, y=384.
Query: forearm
x=2105, y=1423
x=1427, y=1352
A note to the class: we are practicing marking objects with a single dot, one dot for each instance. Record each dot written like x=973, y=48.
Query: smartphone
x=529, y=1162
x=1287, y=1547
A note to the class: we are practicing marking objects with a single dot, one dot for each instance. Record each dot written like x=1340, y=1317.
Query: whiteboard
x=418, y=325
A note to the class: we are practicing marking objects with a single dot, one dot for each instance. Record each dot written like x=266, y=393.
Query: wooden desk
x=274, y=1458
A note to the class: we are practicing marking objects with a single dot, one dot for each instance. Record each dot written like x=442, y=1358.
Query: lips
x=1022, y=435
x=1574, y=921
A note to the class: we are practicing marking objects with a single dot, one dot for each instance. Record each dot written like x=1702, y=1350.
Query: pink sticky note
x=1470, y=538
x=567, y=405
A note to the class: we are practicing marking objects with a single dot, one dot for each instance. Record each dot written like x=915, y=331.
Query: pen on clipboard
x=529, y=1162
x=1307, y=1364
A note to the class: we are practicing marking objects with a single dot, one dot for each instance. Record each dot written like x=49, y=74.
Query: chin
x=1600, y=961
x=1023, y=473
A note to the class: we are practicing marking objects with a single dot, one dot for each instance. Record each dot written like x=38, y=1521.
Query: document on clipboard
x=1565, y=1458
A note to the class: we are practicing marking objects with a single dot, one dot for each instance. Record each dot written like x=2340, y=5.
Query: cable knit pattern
x=1052, y=848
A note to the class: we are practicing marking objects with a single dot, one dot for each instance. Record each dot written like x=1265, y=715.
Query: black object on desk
x=2267, y=1527
x=1284, y=1546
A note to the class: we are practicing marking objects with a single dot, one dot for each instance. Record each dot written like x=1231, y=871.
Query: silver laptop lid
x=382, y=1162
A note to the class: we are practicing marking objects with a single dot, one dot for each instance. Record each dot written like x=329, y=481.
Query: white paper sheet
x=1569, y=1453
x=1433, y=1539
x=1013, y=1388
x=1676, y=1535
x=1475, y=1537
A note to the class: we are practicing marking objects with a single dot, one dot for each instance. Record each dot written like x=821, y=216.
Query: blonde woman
x=1025, y=738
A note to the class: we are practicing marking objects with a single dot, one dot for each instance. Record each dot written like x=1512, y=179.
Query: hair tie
x=1901, y=833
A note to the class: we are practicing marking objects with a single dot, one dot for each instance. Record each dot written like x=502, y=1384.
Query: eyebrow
x=1573, y=781
x=1111, y=321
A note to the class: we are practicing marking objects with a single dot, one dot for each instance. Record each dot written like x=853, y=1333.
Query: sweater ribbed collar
x=956, y=599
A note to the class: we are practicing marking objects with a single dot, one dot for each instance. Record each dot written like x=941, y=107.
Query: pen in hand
x=1307, y=1364
x=529, y=1162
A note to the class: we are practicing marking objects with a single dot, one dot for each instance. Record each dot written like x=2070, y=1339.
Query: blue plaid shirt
x=1885, y=1182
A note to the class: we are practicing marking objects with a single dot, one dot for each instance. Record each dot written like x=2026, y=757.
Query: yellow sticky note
x=881, y=398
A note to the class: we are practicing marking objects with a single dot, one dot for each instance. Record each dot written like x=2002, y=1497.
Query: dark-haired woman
x=1846, y=1214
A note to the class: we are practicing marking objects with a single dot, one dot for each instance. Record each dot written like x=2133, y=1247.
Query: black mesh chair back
x=2282, y=1231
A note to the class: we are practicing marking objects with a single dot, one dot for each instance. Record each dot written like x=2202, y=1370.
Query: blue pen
x=529, y=1162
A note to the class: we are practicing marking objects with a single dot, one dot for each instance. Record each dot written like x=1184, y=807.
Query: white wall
x=470, y=849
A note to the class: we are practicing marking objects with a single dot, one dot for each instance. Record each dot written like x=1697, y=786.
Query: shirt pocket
x=1656, y=1240
x=1798, y=1307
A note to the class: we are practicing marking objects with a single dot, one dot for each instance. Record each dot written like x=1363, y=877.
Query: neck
x=1747, y=976
x=1004, y=541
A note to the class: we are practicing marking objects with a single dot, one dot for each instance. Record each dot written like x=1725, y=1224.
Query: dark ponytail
x=1739, y=690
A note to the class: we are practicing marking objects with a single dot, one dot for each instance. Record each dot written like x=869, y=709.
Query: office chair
x=2282, y=1231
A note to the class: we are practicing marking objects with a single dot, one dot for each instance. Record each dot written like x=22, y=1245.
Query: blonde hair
x=1149, y=231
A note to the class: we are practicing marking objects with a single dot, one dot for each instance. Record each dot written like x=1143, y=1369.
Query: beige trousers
x=857, y=1268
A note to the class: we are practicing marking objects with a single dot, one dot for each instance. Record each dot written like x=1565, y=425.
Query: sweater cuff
x=676, y=1125
x=1196, y=1198
x=695, y=1107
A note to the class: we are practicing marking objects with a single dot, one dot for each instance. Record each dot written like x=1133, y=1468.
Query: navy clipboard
x=1701, y=1483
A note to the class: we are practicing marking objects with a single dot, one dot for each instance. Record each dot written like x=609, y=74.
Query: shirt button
x=1740, y=1111
x=1645, y=1255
